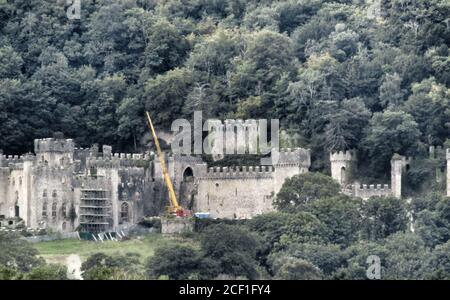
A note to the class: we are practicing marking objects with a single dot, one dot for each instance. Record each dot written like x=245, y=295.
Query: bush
x=48, y=272
x=234, y=248
x=177, y=262
x=300, y=190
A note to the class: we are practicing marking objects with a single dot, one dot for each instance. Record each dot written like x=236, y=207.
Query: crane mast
x=175, y=208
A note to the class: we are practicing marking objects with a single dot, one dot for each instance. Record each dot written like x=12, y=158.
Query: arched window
x=188, y=175
x=54, y=207
x=124, y=208
x=343, y=177
x=54, y=194
x=44, y=193
x=44, y=210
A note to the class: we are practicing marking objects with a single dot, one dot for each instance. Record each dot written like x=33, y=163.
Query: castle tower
x=340, y=165
x=289, y=162
x=398, y=162
x=54, y=152
x=448, y=172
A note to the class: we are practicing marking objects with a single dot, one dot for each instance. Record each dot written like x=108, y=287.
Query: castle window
x=54, y=206
x=343, y=179
x=93, y=171
x=64, y=226
x=17, y=209
x=44, y=210
x=20, y=180
x=124, y=210
x=64, y=210
x=54, y=194
x=44, y=194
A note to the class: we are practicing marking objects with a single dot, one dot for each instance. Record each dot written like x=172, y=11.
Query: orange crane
x=174, y=208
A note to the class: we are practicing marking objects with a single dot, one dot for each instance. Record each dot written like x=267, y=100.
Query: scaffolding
x=95, y=211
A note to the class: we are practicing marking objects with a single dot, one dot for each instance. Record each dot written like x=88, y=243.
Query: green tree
x=290, y=268
x=10, y=63
x=388, y=133
x=383, y=216
x=234, y=248
x=175, y=261
x=17, y=254
x=48, y=272
x=299, y=190
x=341, y=216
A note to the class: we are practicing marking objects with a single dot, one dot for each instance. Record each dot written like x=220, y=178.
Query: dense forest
x=367, y=75
x=373, y=76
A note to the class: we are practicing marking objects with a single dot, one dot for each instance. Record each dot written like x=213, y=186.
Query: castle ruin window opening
x=124, y=212
x=44, y=209
x=54, y=209
x=64, y=210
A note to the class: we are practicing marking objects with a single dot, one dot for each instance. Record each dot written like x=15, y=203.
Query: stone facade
x=66, y=188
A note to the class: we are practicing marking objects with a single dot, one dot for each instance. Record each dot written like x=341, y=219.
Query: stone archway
x=188, y=175
x=187, y=189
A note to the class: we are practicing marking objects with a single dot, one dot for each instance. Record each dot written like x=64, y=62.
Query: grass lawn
x=57, y=251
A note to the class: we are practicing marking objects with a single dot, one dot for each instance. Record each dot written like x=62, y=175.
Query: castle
x=344, y=162
x=64, y=188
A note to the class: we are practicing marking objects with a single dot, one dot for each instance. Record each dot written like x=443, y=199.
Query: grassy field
x=58, y=251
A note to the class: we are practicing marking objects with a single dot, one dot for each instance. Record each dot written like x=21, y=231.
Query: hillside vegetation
x=368, y=75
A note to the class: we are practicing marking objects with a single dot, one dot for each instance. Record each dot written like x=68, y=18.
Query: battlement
x=53, y=145
x=366, y=191
x=342, y=155
x=239, y=172
x=371, y=187
x=6, y=160
x=292, y=156
x=186, y=158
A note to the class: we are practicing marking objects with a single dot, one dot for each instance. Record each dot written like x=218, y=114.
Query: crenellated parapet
x=365, y=191
x=11, y=160
x=116, y=160
x=292, y=157
x=245, y=172
x=54, y=145
x=342, y=156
